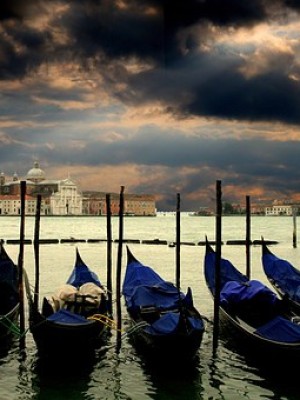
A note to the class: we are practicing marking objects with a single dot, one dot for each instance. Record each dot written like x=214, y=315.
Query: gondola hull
x=164, y=323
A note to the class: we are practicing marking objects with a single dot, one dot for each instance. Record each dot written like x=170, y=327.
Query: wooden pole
x=119, y=267
x=294, y=227
x=248, y=237
x=109, y=256
x=36, y=245
x=20, y=263
x=178, y=242
x=218, y=264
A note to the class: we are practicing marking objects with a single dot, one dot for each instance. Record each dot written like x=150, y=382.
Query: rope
x=110, y=323
x=136, y=327
x=125, y=334
x=104, y=319
x=13, y=328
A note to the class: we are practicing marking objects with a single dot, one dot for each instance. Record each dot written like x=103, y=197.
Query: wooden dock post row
x=235, y=242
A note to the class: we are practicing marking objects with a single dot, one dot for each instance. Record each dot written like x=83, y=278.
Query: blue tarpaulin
x=82, y=274
x=234, y=292
x=163, y=295
x=143, y=287
x=227, y=272
x=67, y=317
x=281, y=330
x=168, y=324
x=283, y=274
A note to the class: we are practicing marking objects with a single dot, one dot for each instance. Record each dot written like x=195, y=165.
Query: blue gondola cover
x=284, y=274
x=280, y=329
x=82, y=274
x=234, y=292
x=67, y=317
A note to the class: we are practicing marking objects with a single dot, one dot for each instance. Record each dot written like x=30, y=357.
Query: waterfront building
x=59, y=197
x=63, y=197
x=281, y=209
x=94, y=203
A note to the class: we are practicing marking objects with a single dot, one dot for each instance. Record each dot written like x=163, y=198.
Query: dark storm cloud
x=102, y=36
x=270, y=96
x=18, y=9
x=101, y=27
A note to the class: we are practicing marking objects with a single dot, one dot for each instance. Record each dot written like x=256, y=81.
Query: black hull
x=54, y=339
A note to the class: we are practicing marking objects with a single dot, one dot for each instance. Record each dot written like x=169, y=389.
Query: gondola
x=9, y=297
x=283, y=276
x=165, y=325
x=73, y=321
x=251, y=315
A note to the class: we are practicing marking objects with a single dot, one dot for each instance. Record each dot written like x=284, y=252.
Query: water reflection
x=127, y=375
x=60, y=379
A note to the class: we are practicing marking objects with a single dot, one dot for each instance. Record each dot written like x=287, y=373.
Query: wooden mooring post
x=20, y=265
x=109, y=256
x=119, y=267
x=36, y=245
x=178, y=242
x=295, y=227
x=218, y=264
x=248, y=237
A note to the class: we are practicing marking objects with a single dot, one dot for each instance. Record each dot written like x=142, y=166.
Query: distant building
x=282, y=209
x=94, y=203
x=62, y=197
x=59, y=197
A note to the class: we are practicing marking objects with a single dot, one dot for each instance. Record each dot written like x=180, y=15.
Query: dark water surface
x=126, y=375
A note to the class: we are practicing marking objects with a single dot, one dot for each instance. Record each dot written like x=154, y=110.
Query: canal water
x=126, y=375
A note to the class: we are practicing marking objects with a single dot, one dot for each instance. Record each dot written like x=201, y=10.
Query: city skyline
x=160, y=97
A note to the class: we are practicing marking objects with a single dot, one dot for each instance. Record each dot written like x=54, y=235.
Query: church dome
x=35, y=174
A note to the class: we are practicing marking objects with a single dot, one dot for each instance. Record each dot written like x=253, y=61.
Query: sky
x=159, y=96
